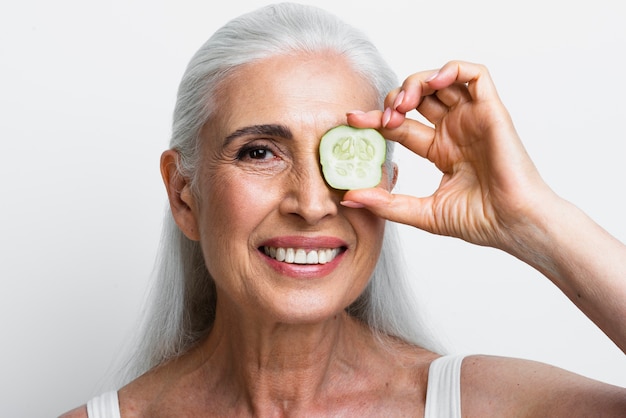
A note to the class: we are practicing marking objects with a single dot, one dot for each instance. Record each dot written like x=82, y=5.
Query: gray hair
x=182, y=301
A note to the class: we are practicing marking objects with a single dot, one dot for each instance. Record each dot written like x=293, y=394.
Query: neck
x=282, y=365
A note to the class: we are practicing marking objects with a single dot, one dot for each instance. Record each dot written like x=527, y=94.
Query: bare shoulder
x=80, y=412
x=501, y=386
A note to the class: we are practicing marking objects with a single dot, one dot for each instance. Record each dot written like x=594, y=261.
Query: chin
x=309, y=311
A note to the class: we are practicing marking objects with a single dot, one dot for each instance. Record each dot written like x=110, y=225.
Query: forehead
x=300, y=89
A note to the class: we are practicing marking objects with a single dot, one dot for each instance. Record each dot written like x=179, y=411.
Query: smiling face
x=274, y=236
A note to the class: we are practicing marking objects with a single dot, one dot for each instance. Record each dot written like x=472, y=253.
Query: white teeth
x=290, y=255
x=301, y=256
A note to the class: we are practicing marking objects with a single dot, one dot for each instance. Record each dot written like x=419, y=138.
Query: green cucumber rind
x=357, y=173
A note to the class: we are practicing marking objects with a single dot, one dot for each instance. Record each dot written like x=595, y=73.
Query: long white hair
x=181, y=307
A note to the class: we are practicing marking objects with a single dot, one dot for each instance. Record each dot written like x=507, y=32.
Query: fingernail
x=386, y=117
x=351, y=204
x=399, y=99
x=355, y=112
x=432, y=76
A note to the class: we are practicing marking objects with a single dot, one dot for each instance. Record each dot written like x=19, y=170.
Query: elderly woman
x=278, y=295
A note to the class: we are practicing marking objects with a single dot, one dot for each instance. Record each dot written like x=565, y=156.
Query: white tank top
x=443, y=395
x=104, y=406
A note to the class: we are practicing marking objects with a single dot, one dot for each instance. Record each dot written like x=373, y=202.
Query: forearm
x=581, y=259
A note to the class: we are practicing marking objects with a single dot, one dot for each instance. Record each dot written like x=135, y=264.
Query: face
x=276, y=240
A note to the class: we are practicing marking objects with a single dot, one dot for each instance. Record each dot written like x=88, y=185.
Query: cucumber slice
x=352, y=158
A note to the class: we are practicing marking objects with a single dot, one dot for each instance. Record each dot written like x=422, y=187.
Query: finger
x=413, y=90
x=395, y=95
x=400, y=208
x=453, y=95
x=479, y=83
x=437, y=105
x=411, y=134
x=375, y=118
x=433, y=109
x=359, y=119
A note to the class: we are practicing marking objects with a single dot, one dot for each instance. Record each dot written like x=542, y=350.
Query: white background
x=86, y=93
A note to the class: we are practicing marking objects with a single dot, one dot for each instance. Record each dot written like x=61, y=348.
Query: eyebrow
x=274, y=130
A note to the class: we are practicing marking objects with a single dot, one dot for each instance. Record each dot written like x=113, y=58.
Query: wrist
x=539, y=231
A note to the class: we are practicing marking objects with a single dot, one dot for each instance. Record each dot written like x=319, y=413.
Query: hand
x=491, y=193
x=490, y=186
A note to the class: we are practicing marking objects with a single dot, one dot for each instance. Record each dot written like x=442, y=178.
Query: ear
x=181, y=198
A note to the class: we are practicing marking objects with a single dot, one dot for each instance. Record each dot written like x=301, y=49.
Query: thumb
x=400, y=208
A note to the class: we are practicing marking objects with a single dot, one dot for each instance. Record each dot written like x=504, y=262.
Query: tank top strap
x=443, y=393
x=104, y=406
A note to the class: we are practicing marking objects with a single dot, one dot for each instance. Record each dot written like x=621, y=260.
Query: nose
x=308, y=196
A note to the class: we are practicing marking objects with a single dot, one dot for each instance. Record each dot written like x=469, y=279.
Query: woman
x=235, y=330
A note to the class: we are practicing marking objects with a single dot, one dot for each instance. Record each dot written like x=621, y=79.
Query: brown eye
x=260, y=154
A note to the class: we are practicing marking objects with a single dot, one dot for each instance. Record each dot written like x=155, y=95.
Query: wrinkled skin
x=489, y=183
x=491, y=193
x=282, y=346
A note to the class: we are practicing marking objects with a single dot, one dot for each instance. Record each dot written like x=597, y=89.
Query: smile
x=302, y=256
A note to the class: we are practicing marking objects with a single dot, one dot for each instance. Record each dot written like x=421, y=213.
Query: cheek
x=369, y=230
x=233, y=206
